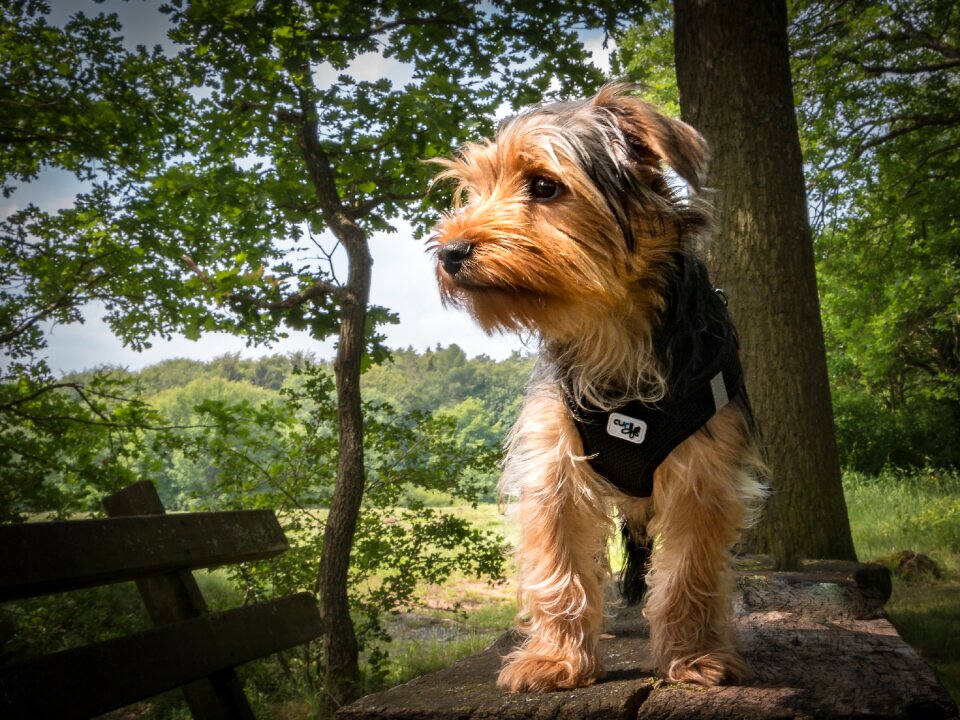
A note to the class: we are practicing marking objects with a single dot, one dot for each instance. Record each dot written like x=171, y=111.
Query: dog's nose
x=454, y=254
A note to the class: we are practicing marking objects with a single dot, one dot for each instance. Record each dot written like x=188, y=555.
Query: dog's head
x=566, y=211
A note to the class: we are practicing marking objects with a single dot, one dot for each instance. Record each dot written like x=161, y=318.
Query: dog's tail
x=637, y=549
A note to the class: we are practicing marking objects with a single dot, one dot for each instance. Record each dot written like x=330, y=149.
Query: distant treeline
x=483, y=396
x=475, y=401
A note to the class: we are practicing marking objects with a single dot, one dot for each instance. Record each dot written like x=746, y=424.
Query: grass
x=454, y=620
x=921, y=512
x=898, y=511
x=437, y=635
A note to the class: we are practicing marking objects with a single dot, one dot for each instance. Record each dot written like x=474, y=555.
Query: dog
x=567, y=225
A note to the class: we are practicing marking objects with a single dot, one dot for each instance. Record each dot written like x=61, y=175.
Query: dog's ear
x=654, y=137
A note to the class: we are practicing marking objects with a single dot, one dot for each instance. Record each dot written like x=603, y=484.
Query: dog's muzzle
x=453, y=255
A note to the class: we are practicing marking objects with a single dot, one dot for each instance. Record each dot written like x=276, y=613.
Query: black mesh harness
x=627, y=444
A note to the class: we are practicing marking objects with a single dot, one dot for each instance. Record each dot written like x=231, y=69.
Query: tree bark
x=733, y=74
x=341, y=681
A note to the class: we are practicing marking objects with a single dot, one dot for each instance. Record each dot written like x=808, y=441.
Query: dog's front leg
x=703, y=495
x=561, y=553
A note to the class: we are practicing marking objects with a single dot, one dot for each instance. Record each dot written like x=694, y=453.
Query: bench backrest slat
x=188, y=648
x=47, y=557
x=92, y=679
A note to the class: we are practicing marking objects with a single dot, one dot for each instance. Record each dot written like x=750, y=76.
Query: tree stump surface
x=818, y=642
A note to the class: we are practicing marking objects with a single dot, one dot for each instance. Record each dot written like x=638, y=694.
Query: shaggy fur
x=566, y=225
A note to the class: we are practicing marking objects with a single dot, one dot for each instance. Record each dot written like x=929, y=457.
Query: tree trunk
x=733, y=74
x=342, y=682
x=341, y=673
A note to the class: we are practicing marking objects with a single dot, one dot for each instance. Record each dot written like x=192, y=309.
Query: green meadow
x=919, y=511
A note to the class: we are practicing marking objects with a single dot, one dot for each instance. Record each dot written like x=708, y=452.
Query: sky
x=403, y=273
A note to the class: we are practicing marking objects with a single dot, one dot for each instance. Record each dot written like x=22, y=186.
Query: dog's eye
x=543, y=188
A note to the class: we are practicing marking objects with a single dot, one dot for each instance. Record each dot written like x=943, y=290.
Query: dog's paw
x=715, y=668
x=529, y=672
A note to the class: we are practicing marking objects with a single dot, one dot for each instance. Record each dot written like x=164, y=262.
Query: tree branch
x=913, y=70
x=31, y=321
x=84, y=288
x=337, y=216
x=104, y=423
x=919, y=122
x=926, y=39
x=287, y=116
x=9, y=405
x=364, y=208
x=84, y=393
x=316, y=290
x=393, y=25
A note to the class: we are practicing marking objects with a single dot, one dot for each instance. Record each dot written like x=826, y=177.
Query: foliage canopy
x=879, y=116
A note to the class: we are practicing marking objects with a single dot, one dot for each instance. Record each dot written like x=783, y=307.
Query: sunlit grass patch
x=452, y=621
x=906, y=511
x=917, y=511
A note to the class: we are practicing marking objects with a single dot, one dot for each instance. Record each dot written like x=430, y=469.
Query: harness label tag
x=719, y=390
x=627, y=428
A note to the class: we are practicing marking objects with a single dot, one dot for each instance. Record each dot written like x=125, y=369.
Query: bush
x=871, y=436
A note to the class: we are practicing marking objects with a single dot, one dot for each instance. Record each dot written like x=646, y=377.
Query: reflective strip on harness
x=629, y=443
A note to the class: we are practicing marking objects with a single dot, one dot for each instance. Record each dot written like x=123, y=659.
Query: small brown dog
x=565, y=225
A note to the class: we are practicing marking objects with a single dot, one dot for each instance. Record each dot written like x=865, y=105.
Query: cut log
x=817, y=641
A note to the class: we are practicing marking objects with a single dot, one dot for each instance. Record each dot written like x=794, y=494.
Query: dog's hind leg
x=561, y=553
x=637, y=546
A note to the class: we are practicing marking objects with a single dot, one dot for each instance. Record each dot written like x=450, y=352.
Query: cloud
x=403, y=281
x=368, y=67
x=142, y=22
x=92, y=344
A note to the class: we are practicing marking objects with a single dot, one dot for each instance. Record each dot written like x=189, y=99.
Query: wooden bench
x=188, y=647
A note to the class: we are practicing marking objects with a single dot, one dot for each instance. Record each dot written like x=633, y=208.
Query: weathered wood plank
x=49, y=557
x=173, y=597
x=170, y=597
x=817, y=641
x=93, y=679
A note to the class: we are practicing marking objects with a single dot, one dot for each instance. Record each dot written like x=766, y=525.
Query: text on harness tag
x=626, y=428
